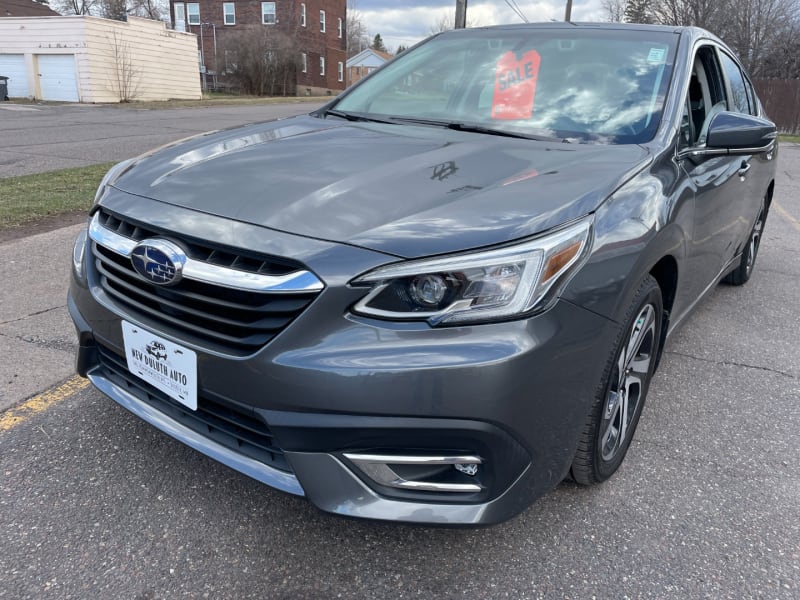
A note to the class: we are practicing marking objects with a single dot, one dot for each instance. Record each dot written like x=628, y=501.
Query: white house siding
x=164, y=62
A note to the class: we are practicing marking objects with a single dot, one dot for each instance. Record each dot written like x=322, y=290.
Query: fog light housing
x=419, y=473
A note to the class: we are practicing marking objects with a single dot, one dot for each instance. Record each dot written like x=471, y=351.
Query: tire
x=741, y=274
x=622, y=392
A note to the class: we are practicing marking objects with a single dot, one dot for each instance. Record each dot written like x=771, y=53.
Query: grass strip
x=785, y=137
x=29, y=198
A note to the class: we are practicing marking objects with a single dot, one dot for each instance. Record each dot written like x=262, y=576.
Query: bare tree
x=615, y=10
x=357, y=35
x=75, y=7
x=446, y=22
x=639, y=11
x=262, y=61
x=113, y=9
x=758, y=30
x=148, y=9
x=125, y=76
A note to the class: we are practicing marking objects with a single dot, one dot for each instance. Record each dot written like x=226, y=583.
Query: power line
x=512, y=4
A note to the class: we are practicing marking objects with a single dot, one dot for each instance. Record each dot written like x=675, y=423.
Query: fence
x=781, y=99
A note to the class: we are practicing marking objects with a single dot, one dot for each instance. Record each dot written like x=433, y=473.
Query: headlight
x=505, y=283
x=113, y=174
x=78, y=254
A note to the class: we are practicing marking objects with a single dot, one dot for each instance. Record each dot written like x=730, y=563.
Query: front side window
x=302, y=14
x=229, y=13
x=740, y=102
x=193, y=9
x=322, y=21
x=322, y=65
x=584, y=86
x=268, y=13
x=706, y=97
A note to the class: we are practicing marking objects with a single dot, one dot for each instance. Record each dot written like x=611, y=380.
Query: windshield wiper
x=356, y=116
x=475, y=128
x=501, y=132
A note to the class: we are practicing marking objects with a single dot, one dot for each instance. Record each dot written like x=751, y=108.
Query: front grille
x=231, y=321
x=234, y=258
x=230, y=426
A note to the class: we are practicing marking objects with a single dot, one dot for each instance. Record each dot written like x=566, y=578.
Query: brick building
x=315, y=30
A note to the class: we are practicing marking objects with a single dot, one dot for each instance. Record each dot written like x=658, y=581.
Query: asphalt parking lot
x=95, y=503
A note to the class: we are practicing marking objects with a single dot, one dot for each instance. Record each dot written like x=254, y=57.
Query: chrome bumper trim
x=252, y=468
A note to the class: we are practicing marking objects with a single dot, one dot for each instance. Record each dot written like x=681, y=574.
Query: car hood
x=405, y=190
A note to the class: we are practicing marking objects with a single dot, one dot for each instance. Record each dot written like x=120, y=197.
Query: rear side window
x=741, y=96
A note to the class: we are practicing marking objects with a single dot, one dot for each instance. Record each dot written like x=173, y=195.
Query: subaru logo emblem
x=159, y=261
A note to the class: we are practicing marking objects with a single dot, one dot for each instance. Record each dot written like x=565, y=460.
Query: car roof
x=692, y=32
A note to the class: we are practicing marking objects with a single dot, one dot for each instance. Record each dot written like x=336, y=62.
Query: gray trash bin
x=3, y=88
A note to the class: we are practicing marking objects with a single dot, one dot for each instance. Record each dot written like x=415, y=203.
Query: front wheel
x=618, y=405
x=742, y=273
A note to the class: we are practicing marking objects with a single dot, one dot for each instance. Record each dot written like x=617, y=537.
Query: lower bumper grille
x=228, y=426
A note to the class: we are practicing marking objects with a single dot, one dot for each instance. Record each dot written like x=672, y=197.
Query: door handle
x=744, y=168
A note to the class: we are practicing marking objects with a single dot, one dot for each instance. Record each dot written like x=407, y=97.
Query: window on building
x=341, y=71
x=322, y=21
x=322, y=65
x=302, y=14
x=193, y=9
x=180, y=16
x=268, y=13
x=304, y=62
x=341, y=27
x=229, y=13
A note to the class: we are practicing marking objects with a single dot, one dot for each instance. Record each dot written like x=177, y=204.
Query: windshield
x=577, y=83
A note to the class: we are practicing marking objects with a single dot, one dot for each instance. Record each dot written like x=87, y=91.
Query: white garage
x=84, y=59
x=57, y=77
x=13, y=67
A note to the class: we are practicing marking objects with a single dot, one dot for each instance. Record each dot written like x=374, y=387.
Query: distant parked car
x=448, y=289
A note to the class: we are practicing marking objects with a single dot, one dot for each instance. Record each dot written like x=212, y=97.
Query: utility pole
x=461, y=14
x=568, y=12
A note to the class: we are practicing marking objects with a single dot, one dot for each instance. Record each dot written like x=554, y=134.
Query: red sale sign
x=515, y=85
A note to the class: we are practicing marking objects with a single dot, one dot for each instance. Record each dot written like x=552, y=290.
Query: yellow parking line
x=788, y=217
x=23, y=412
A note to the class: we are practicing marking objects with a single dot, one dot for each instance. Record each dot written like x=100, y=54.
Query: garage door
x=57, y=78
x=13, y=67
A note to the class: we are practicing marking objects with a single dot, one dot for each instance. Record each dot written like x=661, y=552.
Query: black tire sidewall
x=648, y=293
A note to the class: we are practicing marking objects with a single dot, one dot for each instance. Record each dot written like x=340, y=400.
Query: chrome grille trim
x=296, y=282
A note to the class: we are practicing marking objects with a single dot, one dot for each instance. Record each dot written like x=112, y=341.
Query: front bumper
x=522, y=411
x=331, y=385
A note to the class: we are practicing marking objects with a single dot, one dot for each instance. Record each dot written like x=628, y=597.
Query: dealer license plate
x=163, y=364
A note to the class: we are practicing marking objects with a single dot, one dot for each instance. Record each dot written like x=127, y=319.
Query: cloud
x=408, y=22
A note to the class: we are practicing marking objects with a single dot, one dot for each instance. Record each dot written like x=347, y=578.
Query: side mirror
x=740, y=134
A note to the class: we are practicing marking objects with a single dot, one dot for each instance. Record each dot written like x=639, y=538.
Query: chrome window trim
x=297, y=282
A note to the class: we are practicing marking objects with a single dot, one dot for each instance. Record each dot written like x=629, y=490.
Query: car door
x=715, y=178
x=754, y=170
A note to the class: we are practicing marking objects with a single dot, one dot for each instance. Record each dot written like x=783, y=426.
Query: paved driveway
x=44, y=138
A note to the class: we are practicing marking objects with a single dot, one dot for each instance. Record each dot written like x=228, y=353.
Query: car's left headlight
x=110, y=177
x=79, y=255
x=499, y=284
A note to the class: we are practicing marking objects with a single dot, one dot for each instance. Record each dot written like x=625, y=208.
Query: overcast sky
x=408, y=21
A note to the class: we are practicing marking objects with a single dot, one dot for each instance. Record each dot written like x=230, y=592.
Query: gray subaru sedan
x=448, y=289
